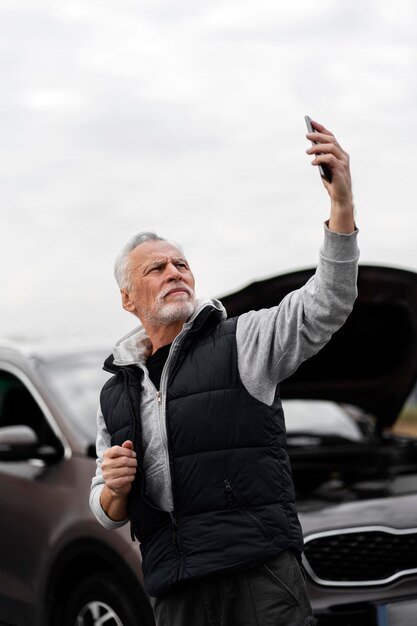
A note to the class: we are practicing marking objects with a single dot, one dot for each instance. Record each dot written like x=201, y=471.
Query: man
x=191, y=434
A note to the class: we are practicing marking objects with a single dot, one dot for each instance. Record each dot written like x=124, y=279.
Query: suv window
x=18, y=407
x=76, y=383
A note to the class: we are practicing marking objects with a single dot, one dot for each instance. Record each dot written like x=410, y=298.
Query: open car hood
x=371, y=361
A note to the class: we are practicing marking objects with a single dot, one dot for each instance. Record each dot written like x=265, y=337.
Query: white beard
x=164, y=313
x=173, y=312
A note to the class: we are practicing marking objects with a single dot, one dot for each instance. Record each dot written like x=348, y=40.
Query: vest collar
x=135, y=347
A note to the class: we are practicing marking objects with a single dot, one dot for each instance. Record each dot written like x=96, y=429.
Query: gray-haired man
x=191, y=434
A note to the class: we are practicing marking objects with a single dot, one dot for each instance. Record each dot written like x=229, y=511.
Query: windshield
x=76, y=384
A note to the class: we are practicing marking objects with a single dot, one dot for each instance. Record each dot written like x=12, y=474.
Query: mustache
x=174, y=286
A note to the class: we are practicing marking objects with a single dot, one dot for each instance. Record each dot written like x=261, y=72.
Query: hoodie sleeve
x=273, y=342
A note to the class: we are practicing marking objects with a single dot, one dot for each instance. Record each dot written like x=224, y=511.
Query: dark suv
x=356, y=482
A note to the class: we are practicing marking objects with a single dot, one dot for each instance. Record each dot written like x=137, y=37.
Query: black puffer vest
x=231, y=478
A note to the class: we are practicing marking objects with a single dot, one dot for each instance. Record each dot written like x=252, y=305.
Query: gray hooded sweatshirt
x=271, y=344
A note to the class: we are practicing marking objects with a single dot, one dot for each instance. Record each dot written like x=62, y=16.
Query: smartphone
x=325, y=171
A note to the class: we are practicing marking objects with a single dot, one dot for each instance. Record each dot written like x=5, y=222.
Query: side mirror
x=21, y=443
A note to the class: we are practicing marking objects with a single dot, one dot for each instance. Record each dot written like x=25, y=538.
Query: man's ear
x=127, y=303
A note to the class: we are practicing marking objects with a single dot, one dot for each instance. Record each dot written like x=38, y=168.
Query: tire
x=103, y=599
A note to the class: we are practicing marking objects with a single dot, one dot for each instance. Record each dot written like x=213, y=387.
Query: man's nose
x=173, y=272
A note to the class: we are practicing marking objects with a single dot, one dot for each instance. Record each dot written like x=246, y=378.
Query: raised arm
x=272, y=343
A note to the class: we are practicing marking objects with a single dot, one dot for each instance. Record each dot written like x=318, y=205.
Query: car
x=355, y=480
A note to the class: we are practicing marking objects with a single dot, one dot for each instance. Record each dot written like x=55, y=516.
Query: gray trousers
x=270, y=594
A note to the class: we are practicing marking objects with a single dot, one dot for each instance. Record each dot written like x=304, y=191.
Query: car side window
x=18, y=407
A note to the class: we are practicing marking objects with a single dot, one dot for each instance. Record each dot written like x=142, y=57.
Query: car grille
x=360, y=556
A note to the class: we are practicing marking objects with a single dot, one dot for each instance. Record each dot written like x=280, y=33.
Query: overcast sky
x=186, y=118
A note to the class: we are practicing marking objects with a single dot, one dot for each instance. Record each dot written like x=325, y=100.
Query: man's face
x=161, y=284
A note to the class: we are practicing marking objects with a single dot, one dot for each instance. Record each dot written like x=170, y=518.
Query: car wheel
x=102, y=600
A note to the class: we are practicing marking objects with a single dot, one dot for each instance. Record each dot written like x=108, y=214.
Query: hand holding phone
x=325, y=171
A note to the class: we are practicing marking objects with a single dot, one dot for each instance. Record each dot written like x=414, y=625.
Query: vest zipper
x=236, y=499
x=166, y=373
x=174, y=527
x=167, y=370
x=229, y=492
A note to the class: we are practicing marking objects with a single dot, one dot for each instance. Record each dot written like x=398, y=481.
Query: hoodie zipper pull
x=158, y=397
